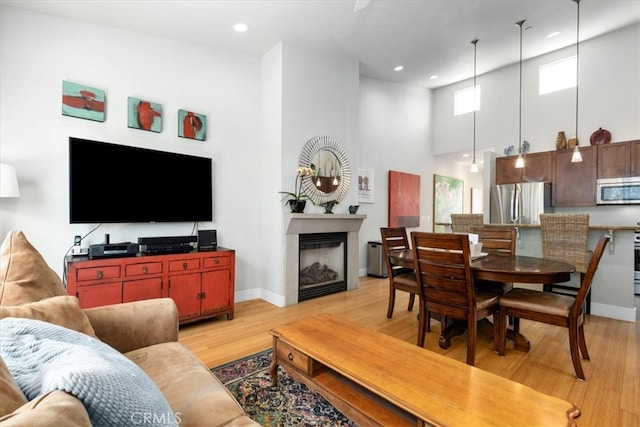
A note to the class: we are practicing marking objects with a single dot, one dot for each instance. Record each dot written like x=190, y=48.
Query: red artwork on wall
x=404, y=199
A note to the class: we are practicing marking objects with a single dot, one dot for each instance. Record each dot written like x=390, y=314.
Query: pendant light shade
x=520, y=160
x=576, y=156
x=474, y=165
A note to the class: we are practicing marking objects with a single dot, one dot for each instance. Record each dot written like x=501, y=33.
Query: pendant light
x=474, y=165
x=576, y=156
x=520, y=160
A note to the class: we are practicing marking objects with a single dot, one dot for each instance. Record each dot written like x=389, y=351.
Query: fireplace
x=296, y=225
x=323, y=264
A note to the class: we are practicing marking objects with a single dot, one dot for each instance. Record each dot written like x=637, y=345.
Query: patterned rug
x=290, y=403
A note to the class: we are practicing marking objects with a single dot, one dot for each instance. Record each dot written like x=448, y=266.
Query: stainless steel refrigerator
x=520, y=203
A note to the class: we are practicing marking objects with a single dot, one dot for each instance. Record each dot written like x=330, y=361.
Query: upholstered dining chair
x=564, y=238
x=462, y=223
x=553, y=309
x=400, y=278
x=496, y=241
x=446, y=284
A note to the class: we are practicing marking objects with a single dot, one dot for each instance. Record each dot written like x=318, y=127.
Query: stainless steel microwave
x=618, y=191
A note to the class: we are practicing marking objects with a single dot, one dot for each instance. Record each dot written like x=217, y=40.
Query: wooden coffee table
x=376, y=379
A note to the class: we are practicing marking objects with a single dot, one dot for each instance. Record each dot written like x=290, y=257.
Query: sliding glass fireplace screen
x=323, y=264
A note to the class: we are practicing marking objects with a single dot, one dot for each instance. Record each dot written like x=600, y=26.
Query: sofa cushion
x=11, y=398
x=193, y=392
x=56, y=408
x=24, y=274
x=62, y=310
x=43, y=357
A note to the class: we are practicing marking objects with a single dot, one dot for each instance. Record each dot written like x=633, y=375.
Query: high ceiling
x=427, y=37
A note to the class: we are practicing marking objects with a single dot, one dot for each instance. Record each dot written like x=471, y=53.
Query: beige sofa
x=146, y=332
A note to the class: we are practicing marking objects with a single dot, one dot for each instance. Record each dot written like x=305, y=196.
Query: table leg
x=455, y=328
x=273, y=366
x=485, y=327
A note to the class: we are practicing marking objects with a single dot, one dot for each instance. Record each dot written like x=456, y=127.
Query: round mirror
x=328, y=159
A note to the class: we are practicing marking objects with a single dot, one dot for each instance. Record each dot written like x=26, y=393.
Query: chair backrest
x=444, y=276
x=394, y=239
x=462, y=223
x=564, y=238
x=585, y=285
x=497, y=240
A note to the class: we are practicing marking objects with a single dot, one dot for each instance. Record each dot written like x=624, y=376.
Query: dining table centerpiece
x=297, y=200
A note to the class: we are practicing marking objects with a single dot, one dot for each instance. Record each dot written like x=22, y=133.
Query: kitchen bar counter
x=591, y=227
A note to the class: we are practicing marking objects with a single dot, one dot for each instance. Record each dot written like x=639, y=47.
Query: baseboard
x=614, y=312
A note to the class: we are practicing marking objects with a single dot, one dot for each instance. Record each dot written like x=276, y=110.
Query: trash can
x=376, y=265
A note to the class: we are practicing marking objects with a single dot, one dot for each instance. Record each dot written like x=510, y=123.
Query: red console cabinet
x=201, y=283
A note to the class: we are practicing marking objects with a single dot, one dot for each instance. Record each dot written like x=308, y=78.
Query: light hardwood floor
x=609, y=397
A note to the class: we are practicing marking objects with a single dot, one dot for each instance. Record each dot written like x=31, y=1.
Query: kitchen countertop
x=591, y=227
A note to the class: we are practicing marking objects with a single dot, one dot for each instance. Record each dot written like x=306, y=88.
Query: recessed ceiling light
x=465, y=155
x=435, y=76
x=398, y=68
x=555, y=33
x=240, y=27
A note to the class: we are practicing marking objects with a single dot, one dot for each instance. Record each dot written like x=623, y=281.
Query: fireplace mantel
x=296, y=224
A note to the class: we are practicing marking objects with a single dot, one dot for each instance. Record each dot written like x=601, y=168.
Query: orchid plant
x=298, y=194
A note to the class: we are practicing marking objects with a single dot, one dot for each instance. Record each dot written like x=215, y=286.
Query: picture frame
x=144, y=115
x=83, y=102
x=192, y=125
x=404, y=199
x=448, y=198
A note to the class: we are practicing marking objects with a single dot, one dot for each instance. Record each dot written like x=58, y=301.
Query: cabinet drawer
x=184, y=265
x=218, y=261
x=142, y=269
x=98, y=273
x=300, y=361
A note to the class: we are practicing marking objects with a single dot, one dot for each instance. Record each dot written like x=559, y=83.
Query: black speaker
x=207, y=240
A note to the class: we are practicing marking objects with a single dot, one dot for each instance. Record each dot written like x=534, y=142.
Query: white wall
x=38, y=52
x=609, y=97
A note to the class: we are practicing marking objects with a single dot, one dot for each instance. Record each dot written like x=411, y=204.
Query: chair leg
x=499, y=331
x=583, y=343
x=575, y=352
x=392, y=301
x=412, y=298
x=423, y=321
x=472, y=333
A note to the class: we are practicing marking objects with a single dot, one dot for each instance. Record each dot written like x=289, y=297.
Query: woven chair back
x=463, y=223
x=564, y=238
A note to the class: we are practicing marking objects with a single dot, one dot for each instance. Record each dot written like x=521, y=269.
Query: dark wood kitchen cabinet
x=619, y=160
x=537, y=167
x=574, y=184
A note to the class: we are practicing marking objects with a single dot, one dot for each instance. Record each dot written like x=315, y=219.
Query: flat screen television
x=112, y=183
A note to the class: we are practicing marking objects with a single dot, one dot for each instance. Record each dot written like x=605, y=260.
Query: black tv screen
x=111, y=183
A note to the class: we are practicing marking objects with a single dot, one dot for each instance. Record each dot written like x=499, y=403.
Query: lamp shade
x=8, y=181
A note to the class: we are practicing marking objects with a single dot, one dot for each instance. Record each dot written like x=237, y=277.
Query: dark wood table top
x=505, y=268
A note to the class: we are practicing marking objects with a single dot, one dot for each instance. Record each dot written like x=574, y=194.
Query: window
x=557, y=76
x=464, y=102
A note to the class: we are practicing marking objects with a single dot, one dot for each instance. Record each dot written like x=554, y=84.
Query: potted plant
x=297, y=200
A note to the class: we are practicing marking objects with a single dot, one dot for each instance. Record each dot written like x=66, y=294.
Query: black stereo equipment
x=207, y=240
x=167, y=245
x=110, y=250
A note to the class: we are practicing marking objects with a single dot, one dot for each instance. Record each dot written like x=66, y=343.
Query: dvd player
x=167, y=245
x=109, y=250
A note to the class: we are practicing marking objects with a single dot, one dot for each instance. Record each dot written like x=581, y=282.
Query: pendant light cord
x=520, y=24
x=475, y=96
x=577, y=64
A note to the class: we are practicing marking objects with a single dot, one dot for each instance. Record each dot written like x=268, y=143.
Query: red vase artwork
x=82, y=101
x=145, y=115
x=192, y=125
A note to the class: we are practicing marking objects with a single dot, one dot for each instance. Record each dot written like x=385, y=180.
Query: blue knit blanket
x=43, y=357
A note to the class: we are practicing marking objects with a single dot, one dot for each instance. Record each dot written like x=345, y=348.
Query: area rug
x=290, y=403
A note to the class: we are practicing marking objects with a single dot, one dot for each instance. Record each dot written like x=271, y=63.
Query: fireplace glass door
x=323, y=264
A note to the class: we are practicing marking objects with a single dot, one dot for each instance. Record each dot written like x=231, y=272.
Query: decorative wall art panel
x=404, y=199
x=144, y=115
x=366, y=186
x=192, y=125
x=448, y=197
x=82, y=101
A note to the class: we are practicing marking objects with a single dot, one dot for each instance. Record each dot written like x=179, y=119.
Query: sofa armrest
x=134, y=325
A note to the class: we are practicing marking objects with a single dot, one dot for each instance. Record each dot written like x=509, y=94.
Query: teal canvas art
x=82, y=101
x=144, y=115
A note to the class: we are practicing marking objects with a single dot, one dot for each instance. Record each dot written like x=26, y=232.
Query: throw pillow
x=43, y=357
x=24, y=274
x=11, y=398
x=62, y=310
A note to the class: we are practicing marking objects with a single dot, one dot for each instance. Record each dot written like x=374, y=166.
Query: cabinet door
x=217, y=291
x=614, y=160
x=185, y=291
x=635, y=158
x=574, y=184
x=136, y=290
x=100, y=294
x=506, y=171
x=537, y=167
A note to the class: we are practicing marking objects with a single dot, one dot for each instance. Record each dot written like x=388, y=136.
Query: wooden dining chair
x=400, y=278
x=462, y=223
x=553, y=309
x=496, y=241
x=446, y=284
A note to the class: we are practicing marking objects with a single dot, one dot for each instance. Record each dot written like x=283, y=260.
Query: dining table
x=499, y=268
